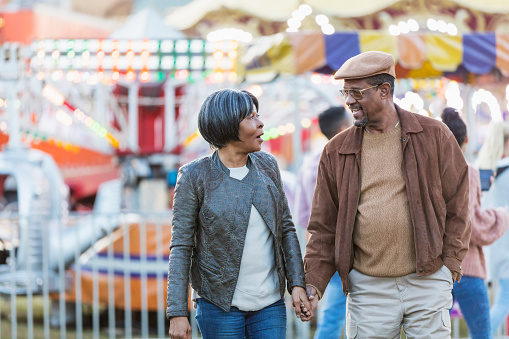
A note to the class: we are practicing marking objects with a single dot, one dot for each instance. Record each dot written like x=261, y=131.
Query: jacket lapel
x=265, y=197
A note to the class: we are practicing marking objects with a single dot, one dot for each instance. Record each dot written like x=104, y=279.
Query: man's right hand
x=180, y=328
x=313, y=296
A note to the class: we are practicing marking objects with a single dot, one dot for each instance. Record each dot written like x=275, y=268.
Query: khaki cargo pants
x=379, y=307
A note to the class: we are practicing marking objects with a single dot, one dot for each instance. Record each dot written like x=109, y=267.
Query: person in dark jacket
x=232, y=231
x=390, y=211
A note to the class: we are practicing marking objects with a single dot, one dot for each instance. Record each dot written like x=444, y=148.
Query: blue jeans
x=267, y=323
x=332, y=310
x=500, y=308
x=472, y=296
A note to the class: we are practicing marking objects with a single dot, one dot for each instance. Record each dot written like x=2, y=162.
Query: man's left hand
x=454, y=276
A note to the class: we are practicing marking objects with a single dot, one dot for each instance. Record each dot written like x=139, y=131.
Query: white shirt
x=257, y=285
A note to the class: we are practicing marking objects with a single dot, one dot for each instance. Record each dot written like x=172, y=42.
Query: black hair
x=221, y=114
x=379, y=79
x=450, y=117
x=331, y=120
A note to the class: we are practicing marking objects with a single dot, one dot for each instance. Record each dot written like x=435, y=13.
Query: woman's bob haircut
x=221, y=114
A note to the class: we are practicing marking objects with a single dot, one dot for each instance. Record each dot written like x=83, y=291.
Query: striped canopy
x=417, y=55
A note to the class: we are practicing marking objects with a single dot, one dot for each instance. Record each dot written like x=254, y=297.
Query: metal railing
x=112, y=284
x=117, y=282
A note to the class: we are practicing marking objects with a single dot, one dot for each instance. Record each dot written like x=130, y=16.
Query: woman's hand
x=303, y=308
x=180, y=328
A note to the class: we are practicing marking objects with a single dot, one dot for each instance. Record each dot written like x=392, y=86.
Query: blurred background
x=98, y=110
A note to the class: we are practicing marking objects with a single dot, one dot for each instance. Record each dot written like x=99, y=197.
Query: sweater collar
x=409, y=124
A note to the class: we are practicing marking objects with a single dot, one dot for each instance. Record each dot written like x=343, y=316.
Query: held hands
x=180, y=328
x=303, y=308
x=313, y=296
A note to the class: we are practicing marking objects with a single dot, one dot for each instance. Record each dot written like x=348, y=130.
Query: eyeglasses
x=355, y=93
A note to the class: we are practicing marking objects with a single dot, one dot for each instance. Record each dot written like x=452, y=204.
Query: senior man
x=390, y=211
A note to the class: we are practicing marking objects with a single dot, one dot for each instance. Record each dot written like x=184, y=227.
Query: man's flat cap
x=367, y=64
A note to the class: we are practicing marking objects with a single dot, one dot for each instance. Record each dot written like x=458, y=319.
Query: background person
x=494, y=154
x=487, y=226
x=232, y=231
x=332, y=307
x=390, y=211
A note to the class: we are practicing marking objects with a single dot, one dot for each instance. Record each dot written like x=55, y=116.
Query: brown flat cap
x=367, y=64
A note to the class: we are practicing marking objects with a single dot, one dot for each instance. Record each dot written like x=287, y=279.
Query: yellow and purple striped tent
x=417, y=55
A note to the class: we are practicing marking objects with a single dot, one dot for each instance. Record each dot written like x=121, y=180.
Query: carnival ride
x=73, y=110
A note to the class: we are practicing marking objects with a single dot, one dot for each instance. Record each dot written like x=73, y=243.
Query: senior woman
x=232, y=232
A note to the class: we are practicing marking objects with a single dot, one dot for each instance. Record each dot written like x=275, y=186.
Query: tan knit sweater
x=383, y=235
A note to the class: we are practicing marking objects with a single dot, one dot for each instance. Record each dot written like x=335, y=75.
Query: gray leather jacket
x=210, y=217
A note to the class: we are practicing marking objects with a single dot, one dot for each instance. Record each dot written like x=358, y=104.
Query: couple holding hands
x=394, y=223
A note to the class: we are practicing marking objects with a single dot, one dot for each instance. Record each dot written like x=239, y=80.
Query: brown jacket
x=436, y=177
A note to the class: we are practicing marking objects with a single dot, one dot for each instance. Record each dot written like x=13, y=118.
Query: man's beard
x=361, y=123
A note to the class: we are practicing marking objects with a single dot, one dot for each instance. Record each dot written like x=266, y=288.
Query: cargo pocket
x=351, y=328
x=448, y=274
x=446, y=319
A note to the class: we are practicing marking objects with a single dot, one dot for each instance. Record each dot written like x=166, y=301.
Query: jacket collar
x=214, y=157
x=409, y=124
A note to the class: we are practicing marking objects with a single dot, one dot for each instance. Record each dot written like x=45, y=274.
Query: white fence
x=92, y=276
x=81, y=278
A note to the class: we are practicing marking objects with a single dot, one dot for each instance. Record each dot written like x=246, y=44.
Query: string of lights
x=53, y=95
x=105, y=60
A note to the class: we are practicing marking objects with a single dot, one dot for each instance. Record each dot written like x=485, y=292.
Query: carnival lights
x=453, y=96
x=256, y=90
x=294, y=23
x=273, y=133
x=400, y=28
x=321, y=19
x=411, y=25
x=55, y=97
x=281, y=130
x=483, y=96
x=298, y=15
x=63, y=117
x=306, y=123
x=441, y=26
x=111, y=60
x=328, y=29
x=290, y=128
x=323, y=22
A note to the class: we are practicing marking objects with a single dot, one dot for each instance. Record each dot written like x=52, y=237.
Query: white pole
x=14, y=125
x=170, y=131
x=297, y=134
x=470, y=117
x=132, y=99
x=10, y=71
